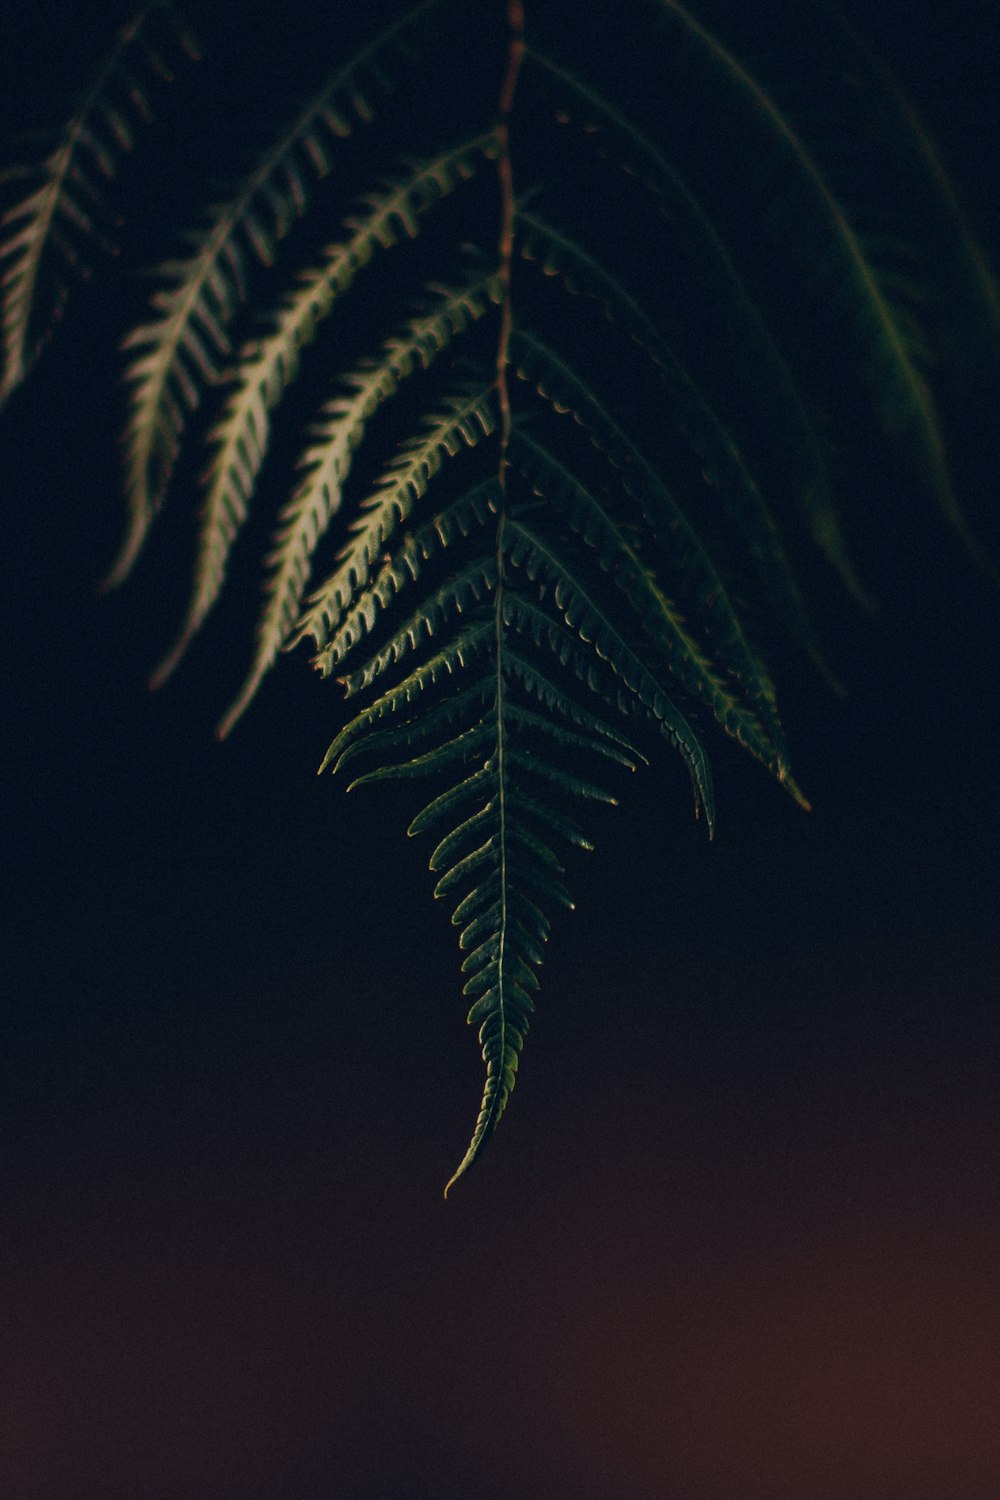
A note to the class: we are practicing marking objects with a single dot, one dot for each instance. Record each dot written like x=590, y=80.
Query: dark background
x=738, y=1233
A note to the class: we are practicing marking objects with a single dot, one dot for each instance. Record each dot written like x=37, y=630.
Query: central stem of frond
x=515, y=19
x=515, y=15
x=515, y=53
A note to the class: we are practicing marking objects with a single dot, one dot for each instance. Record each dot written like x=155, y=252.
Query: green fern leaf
x=461, y=592
x=690, y=563
x=455, y=521
x=899, y=390
x=751, y=338
x=431, y=761
x=268, y=368
x=308, y=513
x=416, y=731
x=185, y=347
x=465, y=420
x=695, y=417
x=658, y=615
x=57, y=215
x=586, y=619
x=601, y=740
x=453, y=656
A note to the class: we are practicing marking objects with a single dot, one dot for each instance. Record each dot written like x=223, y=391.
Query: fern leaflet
x=184, y=348
x=59, y=213
x=268, y=368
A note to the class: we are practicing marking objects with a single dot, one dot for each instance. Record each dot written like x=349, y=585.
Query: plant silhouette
x=592, y=334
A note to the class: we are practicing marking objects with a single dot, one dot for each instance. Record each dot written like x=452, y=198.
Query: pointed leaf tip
x=792, y=787
x=170, y=662
x=459, y=1172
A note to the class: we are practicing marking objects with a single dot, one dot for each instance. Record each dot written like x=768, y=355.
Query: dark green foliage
x=562, y=354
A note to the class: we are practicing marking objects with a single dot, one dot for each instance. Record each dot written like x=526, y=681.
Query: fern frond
x=495, y=822
x=755, y=345
x=963, y=277
x=658, y=615
x=964, y=244
x=494, y=849
x=444, y=805
x=464, y=421
x=690, y=563
x=900, y=393
x=184, y=348
x=424, y=727
x=458, y=594
x=586, y=620
x=307, y=515
x=600, y=740
x=267, y=369
x=695, y=416
x=431, y=761
x=597, y=735
x=557, y=701
x=58, y=215
x=504, y=929
x=454, y=521
x=451, y=658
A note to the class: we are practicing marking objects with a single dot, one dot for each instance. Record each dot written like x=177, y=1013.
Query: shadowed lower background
x=739, y=1260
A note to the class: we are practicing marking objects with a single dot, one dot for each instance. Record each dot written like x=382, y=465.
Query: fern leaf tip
x=792, y=787
x=458, y=1173
x=170, y=662
x=125, y=561
x=243, y=699
x=113, y=579
x=232, y=716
